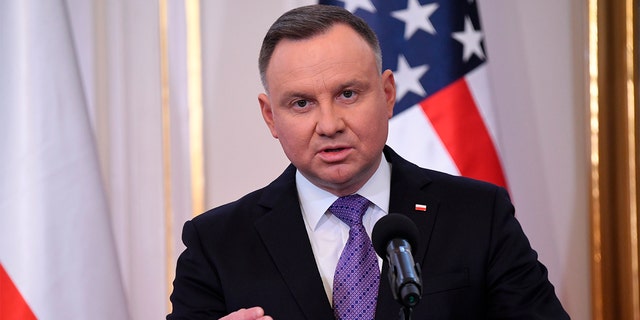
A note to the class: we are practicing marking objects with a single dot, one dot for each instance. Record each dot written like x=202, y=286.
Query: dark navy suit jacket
x=476, y=261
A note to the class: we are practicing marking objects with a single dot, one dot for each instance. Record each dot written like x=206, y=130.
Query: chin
x=338, y=182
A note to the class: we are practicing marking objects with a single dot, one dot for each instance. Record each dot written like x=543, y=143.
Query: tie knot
x=350, y=209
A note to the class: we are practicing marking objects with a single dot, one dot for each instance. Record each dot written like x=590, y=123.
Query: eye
x=301, y=103
x=348, y=96
x=348, y=93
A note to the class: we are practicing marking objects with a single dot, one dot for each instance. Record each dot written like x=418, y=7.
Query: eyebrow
x=289, y=95
x=352, y=83
x=355, y=83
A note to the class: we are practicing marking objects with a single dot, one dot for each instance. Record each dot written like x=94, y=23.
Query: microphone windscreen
x=393, y=226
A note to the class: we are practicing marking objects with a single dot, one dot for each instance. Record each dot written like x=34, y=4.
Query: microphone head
x=393, y=226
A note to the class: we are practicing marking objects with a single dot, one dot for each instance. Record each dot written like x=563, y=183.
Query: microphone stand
x=408, y=297
x=405, y=313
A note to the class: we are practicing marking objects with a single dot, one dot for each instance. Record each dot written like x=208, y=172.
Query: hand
x=255, y=313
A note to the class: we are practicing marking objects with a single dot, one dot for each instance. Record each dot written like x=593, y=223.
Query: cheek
x=374, y=131
x=292, y=135
x=375, y=123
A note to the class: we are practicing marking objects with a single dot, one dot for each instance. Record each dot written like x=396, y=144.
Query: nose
x=330, y=120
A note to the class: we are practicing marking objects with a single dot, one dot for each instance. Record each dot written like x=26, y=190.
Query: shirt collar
x=314, y=202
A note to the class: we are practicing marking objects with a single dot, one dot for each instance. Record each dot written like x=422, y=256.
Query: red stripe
x=12, y=305
x=455, y=117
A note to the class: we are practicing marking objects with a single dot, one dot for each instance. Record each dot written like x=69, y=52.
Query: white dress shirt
x=327, y=233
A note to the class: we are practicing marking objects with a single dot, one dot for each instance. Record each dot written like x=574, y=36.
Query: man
x=275, y=252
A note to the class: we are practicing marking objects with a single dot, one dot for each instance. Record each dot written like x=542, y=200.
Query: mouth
x=333, y=150
x=335, y=154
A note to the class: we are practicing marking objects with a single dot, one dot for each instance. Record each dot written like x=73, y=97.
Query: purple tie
x=355, y=284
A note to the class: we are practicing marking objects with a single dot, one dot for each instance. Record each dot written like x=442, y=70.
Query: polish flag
x=57, y=252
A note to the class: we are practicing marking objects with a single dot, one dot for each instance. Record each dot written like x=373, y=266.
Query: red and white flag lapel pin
x=421, y=207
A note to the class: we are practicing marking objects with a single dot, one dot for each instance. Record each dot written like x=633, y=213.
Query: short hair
x=307, y=22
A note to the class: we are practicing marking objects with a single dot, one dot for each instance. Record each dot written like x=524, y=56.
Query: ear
x=389, y=86
x=267, y=113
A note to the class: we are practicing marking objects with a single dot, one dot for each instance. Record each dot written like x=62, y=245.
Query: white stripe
x=413, y=137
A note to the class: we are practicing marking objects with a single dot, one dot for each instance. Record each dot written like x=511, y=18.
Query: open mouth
x=335, y=154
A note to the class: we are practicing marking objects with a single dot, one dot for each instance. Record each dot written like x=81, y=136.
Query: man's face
x=329, y=107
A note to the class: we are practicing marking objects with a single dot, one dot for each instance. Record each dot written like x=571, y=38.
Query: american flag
x=443, y=117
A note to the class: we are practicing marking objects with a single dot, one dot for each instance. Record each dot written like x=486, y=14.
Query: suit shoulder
x=458, y=187
x=240, y=209
x=446, y=178
x=253, y=205
x=416, y=175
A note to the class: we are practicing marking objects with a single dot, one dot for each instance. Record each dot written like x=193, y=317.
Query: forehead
x=339, y=49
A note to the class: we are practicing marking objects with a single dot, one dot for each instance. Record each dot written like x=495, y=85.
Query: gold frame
x=165, y=107
x=613, y=79
x=196, y=112
x=195, y=125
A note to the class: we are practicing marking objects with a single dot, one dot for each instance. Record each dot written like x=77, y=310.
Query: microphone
x=393, y=237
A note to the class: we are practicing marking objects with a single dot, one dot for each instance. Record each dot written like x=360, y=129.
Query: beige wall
x=538, y=57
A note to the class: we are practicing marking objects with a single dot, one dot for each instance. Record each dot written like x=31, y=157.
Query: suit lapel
x=408, y=189
x=284, y=235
